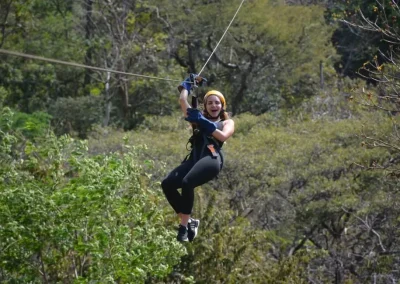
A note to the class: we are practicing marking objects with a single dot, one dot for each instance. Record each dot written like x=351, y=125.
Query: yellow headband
x=218, y=94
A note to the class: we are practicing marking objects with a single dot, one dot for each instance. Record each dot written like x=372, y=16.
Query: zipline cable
x=14, y=53
x=212, y=53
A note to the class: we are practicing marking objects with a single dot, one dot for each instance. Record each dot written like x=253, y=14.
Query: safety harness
x=201, y=142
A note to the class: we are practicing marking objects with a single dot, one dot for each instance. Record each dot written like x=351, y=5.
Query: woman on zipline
x=212, y=127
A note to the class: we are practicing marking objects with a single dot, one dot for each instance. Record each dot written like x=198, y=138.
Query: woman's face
x=213, y=106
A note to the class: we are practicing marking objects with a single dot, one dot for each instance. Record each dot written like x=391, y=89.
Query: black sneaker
x=193, y=226
x=182, y=234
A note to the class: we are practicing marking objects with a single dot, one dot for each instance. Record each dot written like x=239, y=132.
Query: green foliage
x=32, y=125
x=76, y=116
x=292, y=198
x=3, y=95
x=299, y=178
x=7, y=140
x=67, y=216
x=29, y=88
x=305, y=181
x=233, y=251
x=306, y=195
x=42, y=29
x=271, y=58
x=365, y=28
x=284, y=45
x=382, y=70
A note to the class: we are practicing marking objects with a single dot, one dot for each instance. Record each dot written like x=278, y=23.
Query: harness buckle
x=213, y=151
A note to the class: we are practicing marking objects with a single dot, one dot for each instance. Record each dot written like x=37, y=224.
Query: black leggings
x=187, y=176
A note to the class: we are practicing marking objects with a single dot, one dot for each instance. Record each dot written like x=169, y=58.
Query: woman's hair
x=223, y=115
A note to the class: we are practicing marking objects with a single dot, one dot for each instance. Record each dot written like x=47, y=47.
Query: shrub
x=66, y=216
x=76, y=116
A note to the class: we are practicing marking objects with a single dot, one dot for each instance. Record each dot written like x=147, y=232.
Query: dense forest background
x=309, y=190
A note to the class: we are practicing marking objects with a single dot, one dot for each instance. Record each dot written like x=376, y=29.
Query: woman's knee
x=165, y=185
x=187, y=184
x=187, y=189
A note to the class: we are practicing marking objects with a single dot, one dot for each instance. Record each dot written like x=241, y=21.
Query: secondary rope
x=14, y=53
x=212, y=53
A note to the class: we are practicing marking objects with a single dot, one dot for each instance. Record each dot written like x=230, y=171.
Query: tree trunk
x=106, y=120
x=321, y=74
x=4, y=8
x=88, y=35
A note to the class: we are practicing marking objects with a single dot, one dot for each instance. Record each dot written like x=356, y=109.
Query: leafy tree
x=131, y=41
x=358, y=45
x=128, y=42
x=47, y=30
x=76, y=116
x=380, y=20
x=258, y=60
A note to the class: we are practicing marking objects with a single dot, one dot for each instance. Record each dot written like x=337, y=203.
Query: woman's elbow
x=222, y=137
